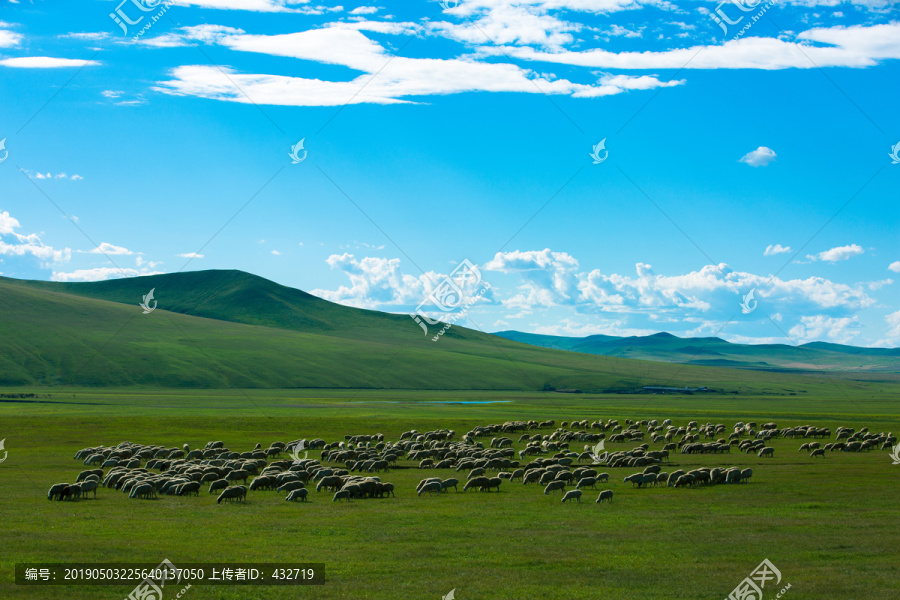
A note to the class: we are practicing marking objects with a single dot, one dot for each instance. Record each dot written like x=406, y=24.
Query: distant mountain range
x=716, y=352
x=230, y=329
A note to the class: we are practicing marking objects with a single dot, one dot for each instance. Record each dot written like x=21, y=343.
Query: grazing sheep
x=188, y=488
x=603, y=477
x=532, y=476
x=89, y=486
x=234, y=492
x=635, y=479
x=587, y=482
x=431, y=486
x=57, y=490
x=818, y=452
x=476, y=472
x=218, y=484
x=450, y=483
x=477, y=482
x=341, y=495
x=145, y=491
x=517, y=474
x=504, y=475
x=605, y=495
x=493, y=482
x=557, y=484
x=572, y=494
x=767, y=451
x=298, y=494
x=290, y=486
x=387, y=489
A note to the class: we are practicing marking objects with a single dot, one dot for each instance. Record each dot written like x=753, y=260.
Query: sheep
x=341, y=495
x=387, y=489
x=767, y=451
x=238, y=492
x=143, y=490
x=557, y=484
x=517, y=474
x=605, y=495
x=477, y=482
x=297, y=494
x=448, y=483
x=493, y=482
x=426, y=481
x=431, y=486
x=239, y=474
x=504, y=475
x=218, y=484
x=587, y=482
x=572, y=494
x=818, y=452
x=85, y=474
x=476, y=472
x=290, y=486
x=185, y=489
x=603, y=477
x=532, y=476
x=746, y=474
x=57, y=491
x=636, y=478
x=89, y=486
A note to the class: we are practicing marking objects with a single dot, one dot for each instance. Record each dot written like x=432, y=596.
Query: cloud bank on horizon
x=661, y=82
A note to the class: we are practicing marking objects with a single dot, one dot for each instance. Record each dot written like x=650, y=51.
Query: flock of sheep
x=147, y=471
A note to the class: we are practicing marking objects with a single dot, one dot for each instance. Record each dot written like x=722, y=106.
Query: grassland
x=829, y=525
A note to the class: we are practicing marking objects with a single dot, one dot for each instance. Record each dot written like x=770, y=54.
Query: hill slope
x=60, y=337
x=713, y=351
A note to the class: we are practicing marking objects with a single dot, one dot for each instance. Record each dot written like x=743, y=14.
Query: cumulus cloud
x=837, y=254
x=109, y=249
x=760, y=157
x=892, y=335
x=100, y=274
x=894, y=266
x=9, y=39
x=364, y=10
x=820, y=327
x=27, y=244
x=773, y=249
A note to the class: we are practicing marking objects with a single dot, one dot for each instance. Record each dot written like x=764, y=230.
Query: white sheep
x=572, y=494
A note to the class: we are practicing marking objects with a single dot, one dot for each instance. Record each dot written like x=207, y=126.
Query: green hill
x=713, y=351
x=220, y=329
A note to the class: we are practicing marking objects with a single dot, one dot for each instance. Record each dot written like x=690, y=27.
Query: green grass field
x=829, y=525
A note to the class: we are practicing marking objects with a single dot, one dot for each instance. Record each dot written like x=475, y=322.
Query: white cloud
x=25, y=244
x=48, y=175
x=820, y=327
x=89, y=35
x=191, y=255
x=772, y=250
x=760, y=157
x=112, y=94
x=894, y=266
x=109, y=249
x=9, y=39
x=397, y=78
x=838, y=253
x=276, y=252
x=375, y=282
x=364, y=10
x=570, y=328
x=100, y=274
x=857, y=46
x=892, y=335
x=45, y=62
x=249, y=5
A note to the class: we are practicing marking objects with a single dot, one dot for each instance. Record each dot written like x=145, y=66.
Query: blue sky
x=754, y=158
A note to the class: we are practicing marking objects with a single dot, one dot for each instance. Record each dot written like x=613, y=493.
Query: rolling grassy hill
x=713, y=351
x=223, y=329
